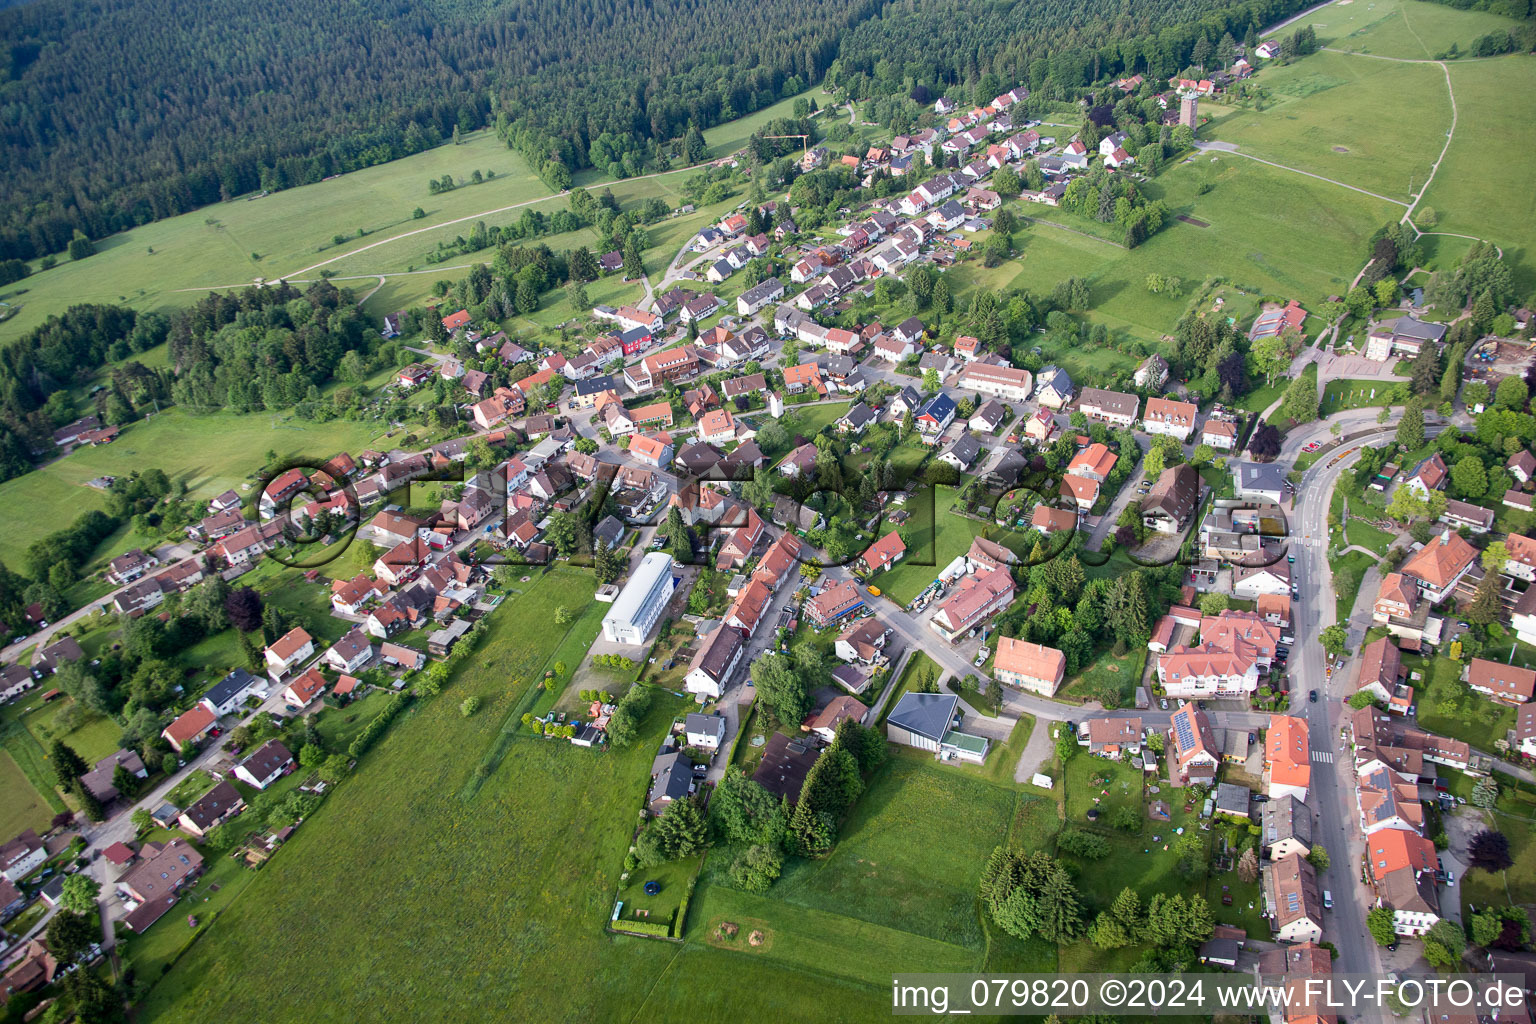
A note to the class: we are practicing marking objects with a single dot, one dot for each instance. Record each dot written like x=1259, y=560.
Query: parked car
x=1163, y=703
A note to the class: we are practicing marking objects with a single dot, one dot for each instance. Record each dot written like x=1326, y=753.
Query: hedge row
x=380, y=722
x=656, y=928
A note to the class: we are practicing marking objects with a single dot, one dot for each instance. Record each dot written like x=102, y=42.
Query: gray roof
x=1260, y=476
x=230, y=685
x=859, y=415
x=1232, y=798
x=1409, y=327
x=1054, y=377
x=965, y=448
x=610, y=531
x=673, y=779
x=710, y=725
x=1286, y=818
x=926, y=714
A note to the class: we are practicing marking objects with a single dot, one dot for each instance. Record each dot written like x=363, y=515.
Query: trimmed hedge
x=656, y=928
x=374, y=729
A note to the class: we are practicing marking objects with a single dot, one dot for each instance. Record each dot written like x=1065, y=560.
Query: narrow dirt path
x=1231, y=148
x=1450, y=92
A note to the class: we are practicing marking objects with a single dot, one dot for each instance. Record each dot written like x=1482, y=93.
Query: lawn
x=898, y=889
x=936, y=537
x=93, y=737
x=289, y=230
x=23, y=806
x=1354, y=394
x=1334, y=115
x=1367, y=535
x=1107, y=677
x=210, y=452
x=910, y=855
x=1482, y=189
x=1408, y=29
x=1099, y=784
x=725, y=139
x=1250, y=211
x=1448, y=708
x=397, y=874
x=1348, y=570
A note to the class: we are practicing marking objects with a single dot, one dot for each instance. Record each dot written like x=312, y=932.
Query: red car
x=1314, y=446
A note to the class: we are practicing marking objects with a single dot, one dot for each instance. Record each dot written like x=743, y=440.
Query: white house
x=716, y=659
x=350, y=653
x=265, y=766
x=707, y=732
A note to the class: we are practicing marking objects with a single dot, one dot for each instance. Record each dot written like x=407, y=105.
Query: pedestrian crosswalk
x=1323, y=756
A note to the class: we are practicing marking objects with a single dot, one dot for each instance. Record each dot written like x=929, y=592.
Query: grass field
x=1482, y=188
x=1407, y=29
x=1448, y=708
x=1354, y=394
x=937, y=538
x=93, y=739
x=212, y=453
x=23, y=807
x=1334, y=117
x=289, y=230
x=1250, y=211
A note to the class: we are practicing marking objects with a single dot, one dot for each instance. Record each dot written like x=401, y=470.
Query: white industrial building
x=641, y=601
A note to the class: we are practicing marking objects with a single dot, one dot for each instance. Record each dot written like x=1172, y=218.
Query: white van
x=1327, y=900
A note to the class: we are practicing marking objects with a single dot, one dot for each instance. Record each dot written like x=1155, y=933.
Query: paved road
x=1332, y=794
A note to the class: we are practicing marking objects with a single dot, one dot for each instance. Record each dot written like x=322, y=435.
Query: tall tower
x=1189, y=111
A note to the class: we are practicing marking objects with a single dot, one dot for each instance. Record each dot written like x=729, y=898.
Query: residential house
x=302, y=690
x=1112, y=738
x=1287, y=757
x=155, y=883
x=1152, y=374
x=1194, y=751
x=1438, y=566
x=974, y=598
x=935, y=415
x=268, y=764
x=289, y=650
x=228, y=695
x=1508, y=684
x=1381, y=669
x=213, y=808
x=1292, y=900
x=863, y=642
x=833, y=603
x=962, y=454
x=651, y=449
x=1030, y=666
x=714, y=662
x=987, y=417
x=882, y=554
x=350, y=653
x=1285, y=828
x=1054, y=388
x=1404, y=336
x=1460, y=513
x=1004, y=382
x=1219, y=434
x=1109, y=406
x=706, y=732
x=1172, y=418
x=1429, y=476
x=1170, y=504
x=189, y=727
